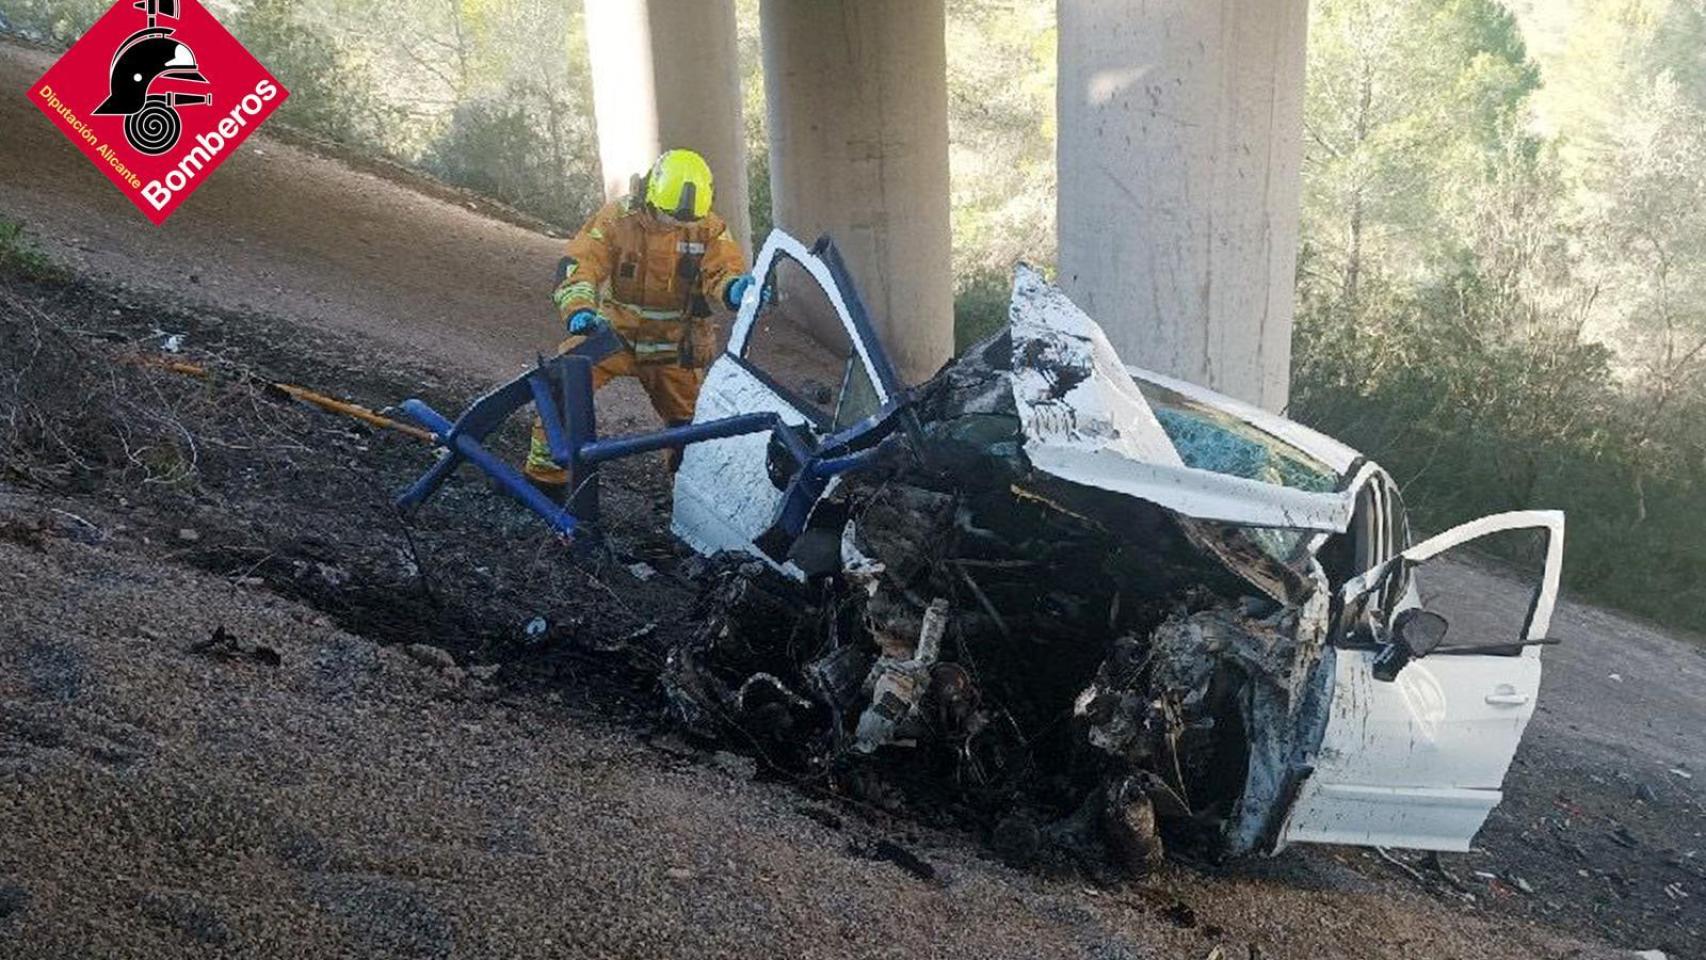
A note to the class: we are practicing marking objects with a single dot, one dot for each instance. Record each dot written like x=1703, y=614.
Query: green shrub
x=980, y=306
x=495, y=147
x=1473, y=417
x=59, y=22
x=329, y=96
x=19, y=255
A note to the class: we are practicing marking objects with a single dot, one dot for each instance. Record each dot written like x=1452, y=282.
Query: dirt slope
x=282, y=230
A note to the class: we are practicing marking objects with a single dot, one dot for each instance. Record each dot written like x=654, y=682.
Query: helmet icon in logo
x=151, y=123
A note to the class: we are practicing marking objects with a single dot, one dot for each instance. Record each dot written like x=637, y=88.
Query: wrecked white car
x=1354, y=716
x=1081, y=606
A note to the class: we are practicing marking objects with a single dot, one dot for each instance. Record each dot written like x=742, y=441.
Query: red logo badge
x=157, y=94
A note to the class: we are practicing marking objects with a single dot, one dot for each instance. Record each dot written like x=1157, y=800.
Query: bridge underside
x=1180, y=145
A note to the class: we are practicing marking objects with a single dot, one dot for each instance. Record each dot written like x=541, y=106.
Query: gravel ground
x=351, y=800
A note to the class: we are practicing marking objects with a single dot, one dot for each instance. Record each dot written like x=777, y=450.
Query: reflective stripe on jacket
x=630, y=261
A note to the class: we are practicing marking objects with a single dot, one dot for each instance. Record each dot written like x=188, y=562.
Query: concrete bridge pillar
x=1180, y=160
x=858, y=127
x=665, y=74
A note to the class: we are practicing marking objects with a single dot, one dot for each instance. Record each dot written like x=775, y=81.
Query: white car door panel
x=1417, y=818
x=1434, y=719
x=723, y=493
x=1419, y=761
x=797, y=339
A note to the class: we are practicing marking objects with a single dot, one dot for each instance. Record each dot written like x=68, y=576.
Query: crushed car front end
x=1091, y=609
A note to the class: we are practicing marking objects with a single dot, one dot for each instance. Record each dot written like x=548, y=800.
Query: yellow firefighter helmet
x=680, y=185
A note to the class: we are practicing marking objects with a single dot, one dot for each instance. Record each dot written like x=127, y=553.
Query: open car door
x=1419, y=760
x=801, y=347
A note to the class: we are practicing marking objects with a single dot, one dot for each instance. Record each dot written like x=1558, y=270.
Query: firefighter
x=648, y=266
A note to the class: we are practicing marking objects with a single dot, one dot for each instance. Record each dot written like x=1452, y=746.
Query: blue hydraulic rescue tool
x=560, y=390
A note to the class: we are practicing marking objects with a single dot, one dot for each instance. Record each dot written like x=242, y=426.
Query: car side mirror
x=1415, y=633
x=1420, y=631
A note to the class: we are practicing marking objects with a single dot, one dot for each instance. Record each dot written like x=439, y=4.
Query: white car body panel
x=1416, y=818
x=1201, y=494
x=1104, y=412
x=723, y=495
x=1103, y=433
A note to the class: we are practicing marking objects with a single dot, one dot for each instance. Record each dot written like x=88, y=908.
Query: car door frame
x=1545, y=598
x=723, y=489
x=824, y=263
x=1339, y=801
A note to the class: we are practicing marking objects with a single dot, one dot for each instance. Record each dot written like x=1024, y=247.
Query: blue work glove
x=586, y=322
x=738, y=286
x=735, y=290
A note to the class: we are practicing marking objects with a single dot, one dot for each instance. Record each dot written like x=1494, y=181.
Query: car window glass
x=1277, y=542
x=1485, y=589
x=1211, y=439
x=799, y=344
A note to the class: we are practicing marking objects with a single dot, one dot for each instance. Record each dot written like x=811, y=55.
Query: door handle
x=1505, y=695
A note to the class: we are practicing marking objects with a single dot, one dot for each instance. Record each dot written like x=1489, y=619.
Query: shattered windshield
x=1214, y=440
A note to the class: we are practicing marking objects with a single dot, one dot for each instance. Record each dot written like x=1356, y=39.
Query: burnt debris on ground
x=224, y=475
x=1076, y=674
